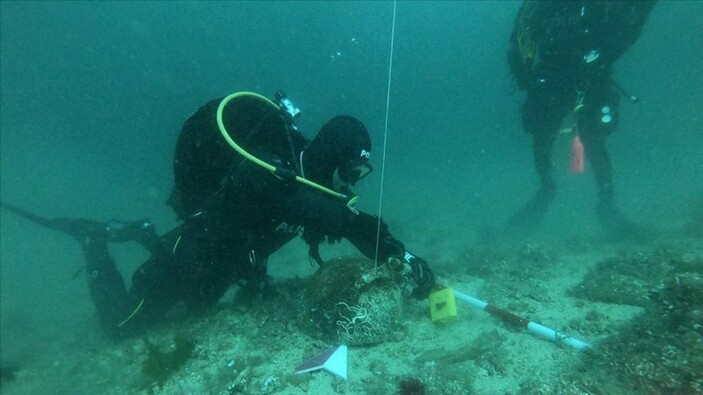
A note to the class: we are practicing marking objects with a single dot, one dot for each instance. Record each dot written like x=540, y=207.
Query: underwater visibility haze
x=93, y=96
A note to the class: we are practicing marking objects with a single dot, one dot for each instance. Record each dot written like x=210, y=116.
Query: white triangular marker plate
x=333, y=360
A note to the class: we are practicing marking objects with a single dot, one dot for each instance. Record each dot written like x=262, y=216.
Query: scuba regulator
x=290, y=112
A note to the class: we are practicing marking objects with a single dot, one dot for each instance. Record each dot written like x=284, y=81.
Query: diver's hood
x=342, y=143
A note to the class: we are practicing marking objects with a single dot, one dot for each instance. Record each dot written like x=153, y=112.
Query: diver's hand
x=421, y=274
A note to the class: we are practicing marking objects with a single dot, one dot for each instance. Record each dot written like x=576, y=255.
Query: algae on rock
x=161, y=365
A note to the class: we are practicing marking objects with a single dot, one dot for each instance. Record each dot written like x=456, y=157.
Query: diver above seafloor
x=562, y=54
x=237, y=209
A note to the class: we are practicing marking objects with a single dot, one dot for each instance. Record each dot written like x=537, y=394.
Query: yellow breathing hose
x=260, y=162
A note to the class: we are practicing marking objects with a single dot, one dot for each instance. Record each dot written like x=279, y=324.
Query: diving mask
x=352, y=172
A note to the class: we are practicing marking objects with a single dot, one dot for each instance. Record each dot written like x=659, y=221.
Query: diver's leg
x=105, y=283
x=542, y=114
x=533, y=212
x=542, y=144
x=598, y=119
x=142, y=231
x=612, y=220
x=155, y=291
x=188, y=269
x=597, y=154
x=208, y=274
x=107, y=289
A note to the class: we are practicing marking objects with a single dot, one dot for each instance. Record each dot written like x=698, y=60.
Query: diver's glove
x=421, y=274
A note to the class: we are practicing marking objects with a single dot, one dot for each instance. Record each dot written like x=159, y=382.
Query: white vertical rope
x=385, y=135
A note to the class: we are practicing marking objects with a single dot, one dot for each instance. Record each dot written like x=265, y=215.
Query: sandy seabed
x=637, y=305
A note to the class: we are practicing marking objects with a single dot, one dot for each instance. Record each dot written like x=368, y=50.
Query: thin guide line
x=385, y=135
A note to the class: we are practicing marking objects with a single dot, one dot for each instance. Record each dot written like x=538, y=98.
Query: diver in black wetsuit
x=236, y=214
x=562, y=53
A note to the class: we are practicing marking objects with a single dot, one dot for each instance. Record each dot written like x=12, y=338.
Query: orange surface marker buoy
x=576, y=165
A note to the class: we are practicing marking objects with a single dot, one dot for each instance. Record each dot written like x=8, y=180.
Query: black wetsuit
x=562, y=53
x=239, y=214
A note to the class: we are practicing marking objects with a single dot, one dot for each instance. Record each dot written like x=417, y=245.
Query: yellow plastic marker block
x=442, y=305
